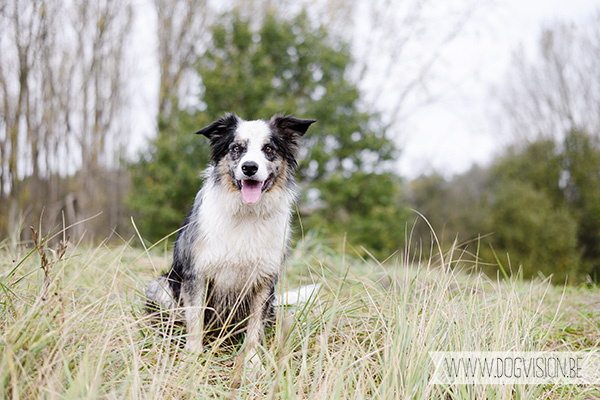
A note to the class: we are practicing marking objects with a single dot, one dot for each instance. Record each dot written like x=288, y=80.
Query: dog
x=229, y=252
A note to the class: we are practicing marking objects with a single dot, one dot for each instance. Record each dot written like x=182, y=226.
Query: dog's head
x=255, y=156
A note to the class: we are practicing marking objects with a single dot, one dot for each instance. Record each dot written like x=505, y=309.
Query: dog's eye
x=236, y=149
x=268, y=149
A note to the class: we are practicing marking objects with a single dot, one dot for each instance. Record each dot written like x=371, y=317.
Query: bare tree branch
x=557, y=90
x=182, y=27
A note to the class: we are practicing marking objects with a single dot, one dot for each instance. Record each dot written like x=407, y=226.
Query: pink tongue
x=251, y=191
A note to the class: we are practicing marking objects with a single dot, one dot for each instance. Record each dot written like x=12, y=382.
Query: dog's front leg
x=194, y=302
x=249, y=358
x=256, y=327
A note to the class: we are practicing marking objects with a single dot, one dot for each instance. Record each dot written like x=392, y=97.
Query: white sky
x=445, y=137
x=450, y=135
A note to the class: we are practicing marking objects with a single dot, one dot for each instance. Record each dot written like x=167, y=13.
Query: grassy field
x=74, y=328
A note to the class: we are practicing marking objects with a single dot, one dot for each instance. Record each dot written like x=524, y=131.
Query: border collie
x=229, y=251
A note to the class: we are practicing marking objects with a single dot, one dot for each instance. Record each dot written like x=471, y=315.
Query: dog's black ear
x=218, y=128
x=291, y=127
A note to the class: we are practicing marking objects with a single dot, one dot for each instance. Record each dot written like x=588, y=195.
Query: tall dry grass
x=366, y=335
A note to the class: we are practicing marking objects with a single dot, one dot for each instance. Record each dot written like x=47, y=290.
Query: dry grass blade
x=367, y=333
x=46, y=263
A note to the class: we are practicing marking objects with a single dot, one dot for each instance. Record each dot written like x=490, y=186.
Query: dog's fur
x=230, y=248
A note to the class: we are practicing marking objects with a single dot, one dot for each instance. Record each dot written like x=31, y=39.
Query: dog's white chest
x=236, y=251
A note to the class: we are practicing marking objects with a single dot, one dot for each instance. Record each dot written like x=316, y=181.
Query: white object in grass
x=301, y=295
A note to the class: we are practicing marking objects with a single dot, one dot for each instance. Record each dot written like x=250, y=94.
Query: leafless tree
x=98, y=84
x=24, y=34
x=557, y=89
x=182, y=26
x=62, y=93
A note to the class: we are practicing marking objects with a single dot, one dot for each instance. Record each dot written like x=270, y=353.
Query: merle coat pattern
x=229, y=251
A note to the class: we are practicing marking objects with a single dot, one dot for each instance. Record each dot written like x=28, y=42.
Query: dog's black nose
x=249, y=168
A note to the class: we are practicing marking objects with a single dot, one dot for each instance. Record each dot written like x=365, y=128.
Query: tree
x=536, y=206
x=165, y=180
x=539, y=164
x=455, y=208
x=27, y=26
x=550, y=105
x=581, y=162
x=557, y=90
x=532, y=232
x=567, y=176
x=368, y=212
x=98, y=96
x=63, y=82
x=284, y=66
x=181, y=32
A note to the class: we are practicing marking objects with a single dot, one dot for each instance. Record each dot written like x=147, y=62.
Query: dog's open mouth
x=252, y=190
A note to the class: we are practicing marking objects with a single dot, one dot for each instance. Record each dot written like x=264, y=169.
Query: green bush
x=532, y=233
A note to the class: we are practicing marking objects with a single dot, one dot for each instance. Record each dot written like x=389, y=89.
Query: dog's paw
x=248, y=367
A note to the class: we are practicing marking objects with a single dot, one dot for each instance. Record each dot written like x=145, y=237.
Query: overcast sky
x=450, y=135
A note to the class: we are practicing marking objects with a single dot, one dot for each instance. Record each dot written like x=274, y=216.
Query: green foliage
x=568, y=173
x=455, y=208
x=582, y=192
x=529, y=217
x=290, y=67
x=536, y=234
x=164, y=182
x=368, y=210
x=538, y=205
x=539, y=163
